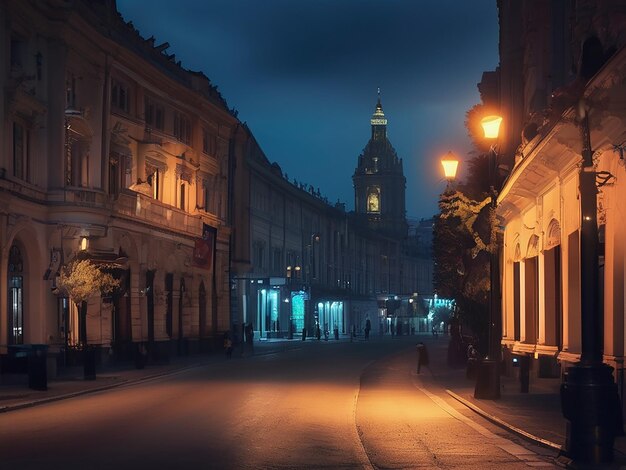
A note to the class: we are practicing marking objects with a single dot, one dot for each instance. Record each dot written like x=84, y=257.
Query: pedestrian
x=368, y=327
x=228, y=345
x=318, y=332
x=250, y=337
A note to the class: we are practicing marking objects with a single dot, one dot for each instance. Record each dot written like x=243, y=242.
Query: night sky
x=303, y=74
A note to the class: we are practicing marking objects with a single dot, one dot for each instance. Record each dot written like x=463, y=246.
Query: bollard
x=524, y=373
x=422, y=356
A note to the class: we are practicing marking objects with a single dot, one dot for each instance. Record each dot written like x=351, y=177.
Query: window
x=21, y=140
x=120, y=96
x=259, y=254
x=154, y=114
x=16, y=296
x=277, y=262
x=209, y=143
x=181, y=197
x=119, y=172
x=182, y=128
x=70, y=92
x=202, y=195
x=17, y=48
x=154, y=180
x=373, y=200
x=206, y=199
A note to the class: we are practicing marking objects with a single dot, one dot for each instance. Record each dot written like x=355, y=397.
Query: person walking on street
x=228, y=345
x=250, y=337
x=368, y=327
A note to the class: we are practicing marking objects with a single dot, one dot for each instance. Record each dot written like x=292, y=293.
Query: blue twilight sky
x=303, y=74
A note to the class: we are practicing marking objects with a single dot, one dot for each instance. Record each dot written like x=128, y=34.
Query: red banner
x=203, y=252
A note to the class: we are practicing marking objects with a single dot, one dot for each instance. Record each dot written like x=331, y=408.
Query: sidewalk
x=15, y=394
x=535, y=416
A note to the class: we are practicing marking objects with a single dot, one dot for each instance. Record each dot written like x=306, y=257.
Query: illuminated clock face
x=373, y=202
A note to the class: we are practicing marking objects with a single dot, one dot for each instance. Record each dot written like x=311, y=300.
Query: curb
x=43, y=401
x=503, y=424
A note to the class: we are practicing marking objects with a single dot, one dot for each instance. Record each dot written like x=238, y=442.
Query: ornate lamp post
x=589, y=398
x=488, y=376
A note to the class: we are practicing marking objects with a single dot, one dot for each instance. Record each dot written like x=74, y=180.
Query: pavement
x=534, y=416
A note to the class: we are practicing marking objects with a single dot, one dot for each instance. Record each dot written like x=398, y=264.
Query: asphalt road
x=321, y=405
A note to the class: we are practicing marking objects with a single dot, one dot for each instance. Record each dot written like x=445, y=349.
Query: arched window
x=373, y=200
x=16, y=296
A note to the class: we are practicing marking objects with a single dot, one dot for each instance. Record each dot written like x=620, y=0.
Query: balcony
x=142, y=208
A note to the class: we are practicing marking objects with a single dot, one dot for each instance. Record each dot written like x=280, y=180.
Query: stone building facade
x=111, y=150
x=561, y=64
x=302, y=263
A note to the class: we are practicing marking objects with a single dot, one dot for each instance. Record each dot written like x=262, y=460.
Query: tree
x=81, y=279
x=464, y=235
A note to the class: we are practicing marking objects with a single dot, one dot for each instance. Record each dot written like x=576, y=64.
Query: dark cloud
x=304, y=74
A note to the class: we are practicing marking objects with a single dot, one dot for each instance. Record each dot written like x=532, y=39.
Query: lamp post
x=488, y=376
x=589, y=398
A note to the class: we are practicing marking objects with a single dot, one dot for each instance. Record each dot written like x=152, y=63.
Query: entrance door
x=16, y=297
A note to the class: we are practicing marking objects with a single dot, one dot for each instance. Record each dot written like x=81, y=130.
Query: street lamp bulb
x=450, y=164
x=491, y=126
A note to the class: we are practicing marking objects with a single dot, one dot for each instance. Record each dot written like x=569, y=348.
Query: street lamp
x=488, y=376
x=450, y=164
x=589, y=398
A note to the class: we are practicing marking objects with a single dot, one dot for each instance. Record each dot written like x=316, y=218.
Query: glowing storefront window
x=297, y=310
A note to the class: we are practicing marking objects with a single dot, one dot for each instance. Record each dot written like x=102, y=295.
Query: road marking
x=361, y=452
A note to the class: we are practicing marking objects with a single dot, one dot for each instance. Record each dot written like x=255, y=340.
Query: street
x=314, y=405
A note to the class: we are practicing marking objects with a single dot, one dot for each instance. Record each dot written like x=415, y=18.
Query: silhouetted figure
x=318, y=332
x=228, y=345
x=368, y=327
x=422, y=356
x=250, y=337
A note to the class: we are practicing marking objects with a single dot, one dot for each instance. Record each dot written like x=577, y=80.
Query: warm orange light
x=450, y=164
x=491, y=126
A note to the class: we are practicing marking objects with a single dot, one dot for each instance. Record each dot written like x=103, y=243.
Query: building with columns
x=112, y=151
x=560, y=86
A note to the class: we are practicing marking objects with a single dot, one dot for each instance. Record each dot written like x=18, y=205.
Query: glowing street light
x=450, y=165
x=491, y=126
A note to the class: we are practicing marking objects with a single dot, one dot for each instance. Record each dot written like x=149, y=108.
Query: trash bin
x=37, y=366
x=89, y=363
x=141, y=356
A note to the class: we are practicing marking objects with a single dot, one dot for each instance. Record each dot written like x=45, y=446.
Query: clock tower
x=379, y=182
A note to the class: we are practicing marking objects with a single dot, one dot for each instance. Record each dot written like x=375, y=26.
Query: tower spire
x=378, y=121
